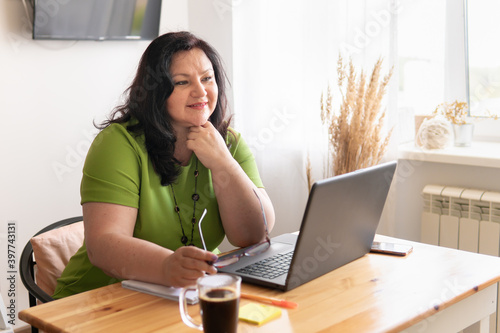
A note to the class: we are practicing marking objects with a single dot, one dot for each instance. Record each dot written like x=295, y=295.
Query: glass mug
x=219, y=298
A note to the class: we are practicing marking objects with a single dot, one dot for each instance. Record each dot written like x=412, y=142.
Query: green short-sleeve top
x=118, y=170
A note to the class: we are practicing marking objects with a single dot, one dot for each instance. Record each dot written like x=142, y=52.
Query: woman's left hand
x=208, y=145
x=238, y=207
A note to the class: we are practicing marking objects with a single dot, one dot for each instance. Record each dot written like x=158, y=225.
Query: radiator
x=465, y=219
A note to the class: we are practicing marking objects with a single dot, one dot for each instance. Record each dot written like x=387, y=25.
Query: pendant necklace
x=195, y=197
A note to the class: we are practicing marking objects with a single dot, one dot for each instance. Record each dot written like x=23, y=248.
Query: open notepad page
x=159, y=290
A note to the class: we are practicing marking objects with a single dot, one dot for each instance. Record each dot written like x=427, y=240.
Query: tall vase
x=463, y=134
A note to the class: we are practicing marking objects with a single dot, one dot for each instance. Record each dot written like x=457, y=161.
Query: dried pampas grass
x=355, y=131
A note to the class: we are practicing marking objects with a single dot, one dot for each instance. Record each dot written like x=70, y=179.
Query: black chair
x=27, y=264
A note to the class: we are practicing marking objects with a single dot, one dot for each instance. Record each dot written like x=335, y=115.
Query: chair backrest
x=45, y=256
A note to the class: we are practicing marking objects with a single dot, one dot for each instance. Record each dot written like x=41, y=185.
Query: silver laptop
x=338, y=226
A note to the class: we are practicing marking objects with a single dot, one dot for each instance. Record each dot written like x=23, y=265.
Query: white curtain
x=285, y=53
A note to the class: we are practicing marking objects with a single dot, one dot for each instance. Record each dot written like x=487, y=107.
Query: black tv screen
x=96, y=19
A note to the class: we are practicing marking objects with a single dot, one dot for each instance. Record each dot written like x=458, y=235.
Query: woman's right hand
x=188, y=263
x=111, y=247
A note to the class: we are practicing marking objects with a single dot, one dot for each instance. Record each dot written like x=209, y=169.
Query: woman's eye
x=180, y=83
x=208, y=78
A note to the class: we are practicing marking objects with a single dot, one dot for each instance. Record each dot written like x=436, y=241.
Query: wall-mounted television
x=96, y=19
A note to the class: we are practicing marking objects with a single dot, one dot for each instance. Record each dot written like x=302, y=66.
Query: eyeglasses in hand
x=248, y=251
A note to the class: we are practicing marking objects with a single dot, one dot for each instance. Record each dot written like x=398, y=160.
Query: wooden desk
x=433, y=289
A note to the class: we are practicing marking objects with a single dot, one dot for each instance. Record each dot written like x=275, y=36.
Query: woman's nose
x=198, y=90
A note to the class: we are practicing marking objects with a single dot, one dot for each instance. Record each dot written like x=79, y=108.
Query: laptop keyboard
x=269, y=268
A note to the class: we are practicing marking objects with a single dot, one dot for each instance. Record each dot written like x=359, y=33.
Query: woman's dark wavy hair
x=148, y=94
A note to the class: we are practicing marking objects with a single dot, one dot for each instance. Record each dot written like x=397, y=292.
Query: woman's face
x=195, y=91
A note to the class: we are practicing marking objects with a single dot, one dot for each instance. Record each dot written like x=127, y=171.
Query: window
x=484, y=57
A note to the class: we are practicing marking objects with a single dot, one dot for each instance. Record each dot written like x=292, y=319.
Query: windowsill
x=480, y=153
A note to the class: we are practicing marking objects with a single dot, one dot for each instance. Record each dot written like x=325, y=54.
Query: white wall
x=50, y=94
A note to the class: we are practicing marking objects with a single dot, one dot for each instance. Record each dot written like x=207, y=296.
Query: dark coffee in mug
x=219, y=310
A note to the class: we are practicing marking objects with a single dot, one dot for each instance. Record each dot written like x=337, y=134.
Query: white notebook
x=159, y=290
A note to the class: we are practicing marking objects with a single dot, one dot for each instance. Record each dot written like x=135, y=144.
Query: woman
x=162, y=158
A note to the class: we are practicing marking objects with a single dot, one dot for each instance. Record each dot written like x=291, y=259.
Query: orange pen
x=274, y=301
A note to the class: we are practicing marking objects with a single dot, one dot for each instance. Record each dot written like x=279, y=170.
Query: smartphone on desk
x=391, y=248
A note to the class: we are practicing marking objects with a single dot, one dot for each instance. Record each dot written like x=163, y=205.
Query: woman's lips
x=198, y=106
